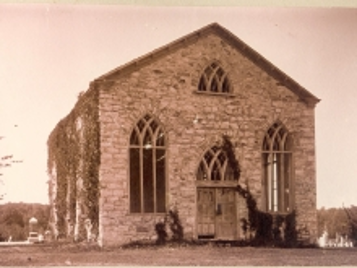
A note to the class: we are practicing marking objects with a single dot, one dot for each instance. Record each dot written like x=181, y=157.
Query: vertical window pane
x=134, y=138
x=275, y=183
x=280, y=181
x=225, y=86
x=215, y=173
x=148, y=180
x=202, y=84
x=268, y=173
x=160, y=139
x=287, y=165
x=147, y=141
x=214, y=85
x=135, y=184
x=160, y=181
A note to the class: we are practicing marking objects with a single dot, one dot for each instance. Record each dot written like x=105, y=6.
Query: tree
x=334, y=221
x=5, y=161
x=14, y=219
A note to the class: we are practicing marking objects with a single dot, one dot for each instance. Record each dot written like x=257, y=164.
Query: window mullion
x=282, y=182
x=209, y=170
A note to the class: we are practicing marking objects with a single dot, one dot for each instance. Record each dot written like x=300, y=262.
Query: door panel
x=205, y=212
x=225, y=219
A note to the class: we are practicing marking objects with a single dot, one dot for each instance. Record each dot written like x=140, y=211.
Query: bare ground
x=206, y=255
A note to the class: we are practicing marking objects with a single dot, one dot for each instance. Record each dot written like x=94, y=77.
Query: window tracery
x=214, y=166
x=214, y=79
x=147, y=167
x=277, y=159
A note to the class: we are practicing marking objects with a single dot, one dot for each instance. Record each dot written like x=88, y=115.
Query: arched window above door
x=214, y=166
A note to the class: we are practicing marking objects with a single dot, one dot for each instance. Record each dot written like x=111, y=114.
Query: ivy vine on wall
x=265, y=229
x=73, y=151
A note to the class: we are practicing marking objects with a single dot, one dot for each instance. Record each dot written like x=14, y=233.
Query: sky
x=49, y=53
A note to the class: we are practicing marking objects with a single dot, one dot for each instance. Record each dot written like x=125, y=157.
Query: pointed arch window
x=277, y=163
x=214, y=166
x=147, y=167
x=214, y=79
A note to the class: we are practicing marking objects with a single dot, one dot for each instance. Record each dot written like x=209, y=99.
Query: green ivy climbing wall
x=73, y=150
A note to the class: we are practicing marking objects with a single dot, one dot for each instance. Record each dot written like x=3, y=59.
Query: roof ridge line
x=236, y=42
x=160, y=49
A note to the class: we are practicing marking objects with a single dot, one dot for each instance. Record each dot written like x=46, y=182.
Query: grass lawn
x=206, y=255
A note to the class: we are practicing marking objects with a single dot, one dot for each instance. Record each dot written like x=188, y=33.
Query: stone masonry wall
x=167, y=89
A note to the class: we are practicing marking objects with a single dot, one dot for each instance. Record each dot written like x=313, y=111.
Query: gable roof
x=230, y=38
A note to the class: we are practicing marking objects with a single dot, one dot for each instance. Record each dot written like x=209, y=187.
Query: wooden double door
x=216, y=213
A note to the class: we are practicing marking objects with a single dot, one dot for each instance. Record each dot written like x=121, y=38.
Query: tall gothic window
x=214, y=79
x=147, y=167
x=277, y=158
x=214, y=166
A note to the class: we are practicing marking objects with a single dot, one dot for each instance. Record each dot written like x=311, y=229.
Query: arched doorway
x=216, y=197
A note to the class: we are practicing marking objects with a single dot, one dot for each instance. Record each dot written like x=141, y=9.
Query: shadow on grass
x=197, y=243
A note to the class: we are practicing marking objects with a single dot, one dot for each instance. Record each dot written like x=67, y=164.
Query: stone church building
x=143, y=139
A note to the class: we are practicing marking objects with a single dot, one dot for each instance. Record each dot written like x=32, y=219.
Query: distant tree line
x=335, y=221
x=14, y=220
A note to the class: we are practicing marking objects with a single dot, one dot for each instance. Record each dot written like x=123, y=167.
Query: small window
x=214, y=166
x=147, y=167
x=277, y=157
x=214, y=79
